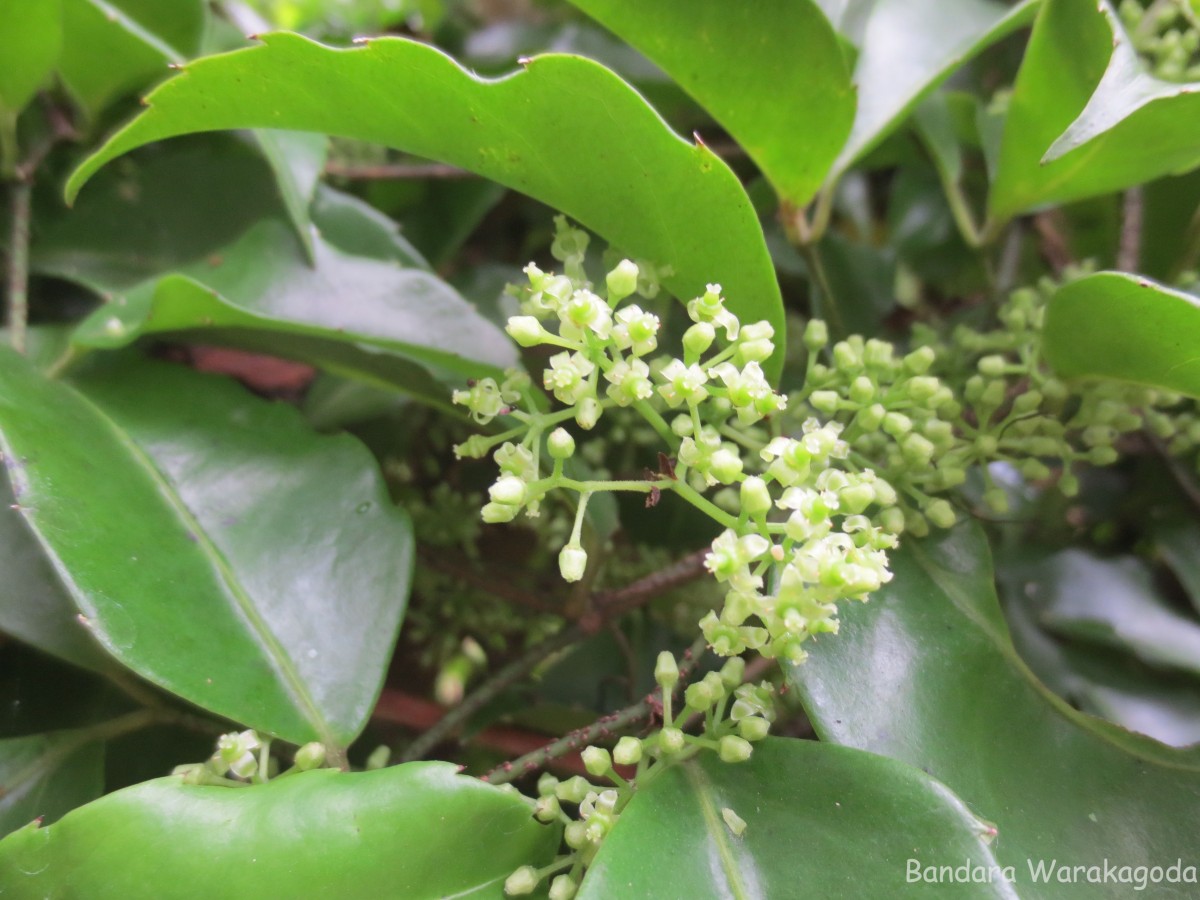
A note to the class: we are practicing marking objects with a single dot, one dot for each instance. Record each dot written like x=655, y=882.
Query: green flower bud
x=725, y=465
x=993, y=366
x=587, y=413
x=628, y=751
x=526, y=330
x=920, y=360
x=826, y=402
x=753, y=728
x=871, y=417
x=523, y=881
x=1102, y=456
x=1069, y=485
x=547, y=809
x=597, y=761
x=621, y=281
x=310, y=756
x=734, y=749
x=732, y=672
x=941, y=514
x=993, y=394
x=575, y=835
x=755, y=498
x=509, y=490
x=560, y=444
x=917, y=449
x=497, y=513
x=846, y=356
x=666, y=672
x=572, y=562
x=816, y=335
x=862, y=390
x=1027, y=403
x=563, y=887
x=996, y=500
x=573, y=790
x=546, y=784
x=474, y=447
x=856, y=497
x=698, y=696
x=879, y=354
x=892, y=520
x=671, y=741
x=897, y=424
x=697, y=339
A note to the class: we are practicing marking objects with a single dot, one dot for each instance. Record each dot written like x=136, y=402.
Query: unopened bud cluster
x=243, y=757
x=1166, y=35
x=735, y=715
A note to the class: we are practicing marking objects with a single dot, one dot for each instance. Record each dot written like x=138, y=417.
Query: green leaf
x=768, y=75
x=47, y=775
x=262, y=283
x=357, y=228
x=417, y=830
x=298, y=159
x=34, y=605
x=838, y=821
x=115, y=47
x=1135, y=127
x=176, y=203
x=565, y=130
x=29, y=46
x=183, y=531
x=908, y=48
x=1113, y=603
x=1114, y=325
x=1080, y=87
x=926, y=673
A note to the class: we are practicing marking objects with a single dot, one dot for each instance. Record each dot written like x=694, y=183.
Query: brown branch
x=1129, y=249
x=604, y=727
x=606, y=608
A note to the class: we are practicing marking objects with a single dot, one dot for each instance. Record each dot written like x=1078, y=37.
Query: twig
x=1129, y=249
x=396, y=171
x=646, y=708
x=18, y=265
x=606, y=608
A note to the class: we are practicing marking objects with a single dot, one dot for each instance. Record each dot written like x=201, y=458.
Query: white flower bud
x=628, y=751
x=509, y=490
x=522, y=881
x=525, y=330
x=560, y=444
x=622, y=281
x=572, y=562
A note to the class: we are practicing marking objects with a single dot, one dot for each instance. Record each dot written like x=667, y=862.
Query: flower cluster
x=736, y=715
x=243, y=757
x=803, y=528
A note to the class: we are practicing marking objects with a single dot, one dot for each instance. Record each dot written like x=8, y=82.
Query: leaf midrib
x=282, y=663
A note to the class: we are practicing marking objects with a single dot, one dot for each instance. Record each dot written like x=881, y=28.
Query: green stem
x=698, y=500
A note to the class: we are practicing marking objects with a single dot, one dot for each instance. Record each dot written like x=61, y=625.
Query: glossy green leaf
x=821, y=821
x=175, y=204
x=262, y=283
x=1142, y=127
x=417, y=830
x=29, y=46
x=1113, y=603
x=298, y=159
x=1106, y=684
x=182, y=530
x=1080, y=86
x=908, y=48
x=565, y=130
x=769, y=75
x=48, y=775
x=1115, y=325
x=34, y=605
x=115, y=47
x=926, y=673
x=357, y=228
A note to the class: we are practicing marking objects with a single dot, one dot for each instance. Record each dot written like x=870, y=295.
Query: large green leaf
x=114, y=47
x=47, y=775
x=417, y=830
x=29, y=45
x=170, y=206
x=177, y=509
x=1143, y=127
x=1080, y=86
x=773, y=76
x=820, y=821
x=908, y=47
x=34, y=605
x=926, y=673
x=565, y=130
x=1115, y=325
x=263, y=283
